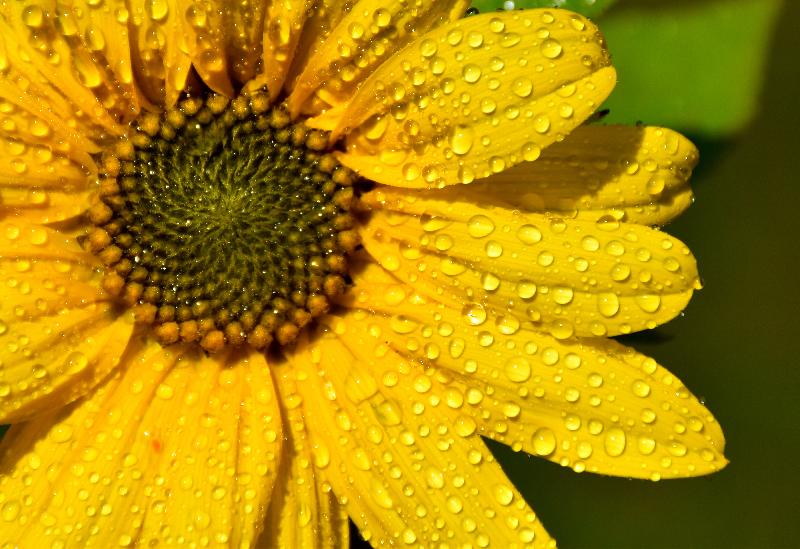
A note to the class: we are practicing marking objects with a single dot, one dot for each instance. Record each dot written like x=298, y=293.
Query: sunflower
x=270, y=265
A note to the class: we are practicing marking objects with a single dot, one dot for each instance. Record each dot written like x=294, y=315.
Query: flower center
x=221, y=222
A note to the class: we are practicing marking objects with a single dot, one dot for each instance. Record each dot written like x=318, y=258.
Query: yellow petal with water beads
x=41, y=185
x=161, y=58
x=282, y=29
x=303, y=510
x=37, y=39
x=475, y=97
x=200, y=30
x=406, y=474
x=101, y=30
x=368, y=34
x=636, y=174
x=174, y=448
x=36, y=110
x=593, y=405
x=320, y=22
x=567, y=277
x=58, y=335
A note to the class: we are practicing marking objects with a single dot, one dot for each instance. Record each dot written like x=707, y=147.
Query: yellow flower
x=247, y=291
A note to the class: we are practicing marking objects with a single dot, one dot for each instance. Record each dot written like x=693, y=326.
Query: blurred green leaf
x=696, y=65
x=589, y=8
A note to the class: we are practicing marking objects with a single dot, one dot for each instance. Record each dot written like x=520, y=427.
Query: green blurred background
x=727, y=74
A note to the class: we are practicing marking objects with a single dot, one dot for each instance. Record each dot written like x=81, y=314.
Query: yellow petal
x=303, y=511
x=159, y=49
x=101, y=29
x=41, y=38
x=629, y=172
x=475, y=97
x=37, y=205
x=177, y=448
x=406, y=475
x=40, y=184
x=318, y=26
x=244, y=23
x=283, y=27
x=590, y=404
x=368, y=34
x=58, y=337
x=206, y=28
x=566, y=276
x=44, y=107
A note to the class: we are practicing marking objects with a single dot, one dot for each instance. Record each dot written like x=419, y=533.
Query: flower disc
x=221, y=222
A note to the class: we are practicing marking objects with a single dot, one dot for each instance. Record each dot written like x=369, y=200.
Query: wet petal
x=318, y=26
x=58, y=335
x=45, y=44
x=159, y=49
x=304, y=513
x=475, y=97
x=223, y=40
x=175, y=448
x=40, y=184
x=243, y=24
x=283, y=27
x=566, y=276
x=632, y=173
x=101, y=29
x=367, y=34
x=589, y=404
x=405, y=474
x=45, y=103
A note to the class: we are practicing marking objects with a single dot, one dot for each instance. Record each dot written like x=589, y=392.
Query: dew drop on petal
x=544, y=441
x=614, y=442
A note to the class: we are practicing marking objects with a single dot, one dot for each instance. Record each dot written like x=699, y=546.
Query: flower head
x=270, y=265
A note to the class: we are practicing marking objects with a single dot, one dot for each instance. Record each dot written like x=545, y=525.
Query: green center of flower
x=223, y=223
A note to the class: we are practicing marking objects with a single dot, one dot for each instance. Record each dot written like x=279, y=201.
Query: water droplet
x=493, y=249
x=157, y=9
x=490, y=282
x=380, y=494
x=471, y=73
x=541, y=123
x=607, y=304
x=164, y=391
x=10, y=510
x=562, y=295
x=526, y=289
x=646, y=445
x=503, y=494
x=461, y=139
x=531, y=152
x=544, y=441
x=475, y=39
x=33, y=16
x=522, y=86
x=465, y=426
x=359, y=385
x=551, y=48
x=474, y=313
x=614, y=442
x=640, y=388
x=518, y=369
x=529, y=234
x=648, y=303
x=480, y=226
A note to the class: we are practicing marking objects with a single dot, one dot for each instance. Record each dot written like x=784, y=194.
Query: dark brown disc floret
x=221, y=222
